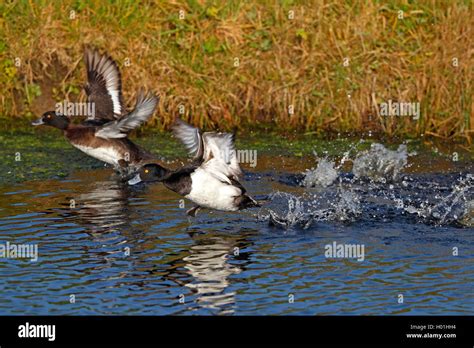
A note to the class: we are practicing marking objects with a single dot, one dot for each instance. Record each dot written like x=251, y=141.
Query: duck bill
x=135, y=180
x=38, y=122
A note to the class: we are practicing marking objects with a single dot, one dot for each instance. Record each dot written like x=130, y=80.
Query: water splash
x=380, y=164
x=324, y=175
x=348, y=208
x=287, y=210
x=457, y=207
x=467, y=218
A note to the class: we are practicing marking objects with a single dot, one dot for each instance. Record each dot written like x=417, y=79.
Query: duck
x=104, y=136
x=211, y=180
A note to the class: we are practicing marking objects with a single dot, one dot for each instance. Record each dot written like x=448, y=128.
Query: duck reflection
x=208, y=263
x=204, y=268
x=105, y=207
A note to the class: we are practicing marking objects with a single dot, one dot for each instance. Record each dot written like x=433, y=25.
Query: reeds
x=289, y=66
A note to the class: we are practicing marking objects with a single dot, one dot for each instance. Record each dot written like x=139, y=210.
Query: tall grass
x=249, y=65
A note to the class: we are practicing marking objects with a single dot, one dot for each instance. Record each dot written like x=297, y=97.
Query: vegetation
x=37, y=155
x=311, y=67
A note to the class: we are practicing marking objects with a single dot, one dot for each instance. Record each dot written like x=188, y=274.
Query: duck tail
x=247, y=202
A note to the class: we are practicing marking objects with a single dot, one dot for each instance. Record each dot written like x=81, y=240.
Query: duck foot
x=193, y=211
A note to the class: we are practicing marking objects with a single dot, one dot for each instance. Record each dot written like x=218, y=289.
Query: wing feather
x=120, y=128
x=190, y=136
x=220, y=154
x=104, y=85
x=215, y=151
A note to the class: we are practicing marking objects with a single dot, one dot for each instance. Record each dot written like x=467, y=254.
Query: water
x=121, y=250
x=380, y=164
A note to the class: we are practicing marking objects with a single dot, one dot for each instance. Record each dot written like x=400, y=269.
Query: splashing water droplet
x=380, y=164
x=324, y=174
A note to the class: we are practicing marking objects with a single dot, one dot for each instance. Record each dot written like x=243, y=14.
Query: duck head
x=53, y=119
x=148, y=173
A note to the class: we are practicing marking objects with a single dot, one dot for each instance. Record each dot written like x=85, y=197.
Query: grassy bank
x=309, y=66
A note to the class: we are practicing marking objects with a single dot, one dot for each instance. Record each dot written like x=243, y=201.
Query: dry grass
x=283, y=63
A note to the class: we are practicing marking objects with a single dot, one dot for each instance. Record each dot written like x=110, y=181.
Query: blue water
x=228, y=263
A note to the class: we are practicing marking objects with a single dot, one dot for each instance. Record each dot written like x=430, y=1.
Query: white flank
x=209, y=192
x=107, y=154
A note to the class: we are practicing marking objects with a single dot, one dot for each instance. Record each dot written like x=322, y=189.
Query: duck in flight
x=211, y=180
x=104, y=136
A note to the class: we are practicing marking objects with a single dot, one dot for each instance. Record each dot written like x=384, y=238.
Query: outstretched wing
x=220, y=157
x=120, y=128
x=191, y=138
x=215, y=151
x=104, y=85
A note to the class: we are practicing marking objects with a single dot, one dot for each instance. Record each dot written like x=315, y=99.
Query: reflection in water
x=229, y=263
x=203, y=267
x=104, y=207
x=208, y=265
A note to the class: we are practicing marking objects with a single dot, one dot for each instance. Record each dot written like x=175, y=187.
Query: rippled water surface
x=123, y=250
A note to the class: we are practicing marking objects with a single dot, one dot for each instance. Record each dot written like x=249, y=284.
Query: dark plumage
x=211, y=180
x=104, y=85
x=104, y=137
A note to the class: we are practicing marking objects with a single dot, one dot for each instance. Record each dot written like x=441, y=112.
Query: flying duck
x=211, y=180
x=104, y=136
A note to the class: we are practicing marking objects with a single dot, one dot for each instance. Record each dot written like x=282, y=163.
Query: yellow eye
x=49, y=116
x=146, y=171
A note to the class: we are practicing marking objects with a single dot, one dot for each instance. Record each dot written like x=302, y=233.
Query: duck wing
x=104, y=85
x=213, y=151
x=120, y=128
x=220, y=157
x=191, y=137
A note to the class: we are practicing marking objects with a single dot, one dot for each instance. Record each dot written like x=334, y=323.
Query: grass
x=246, y=65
